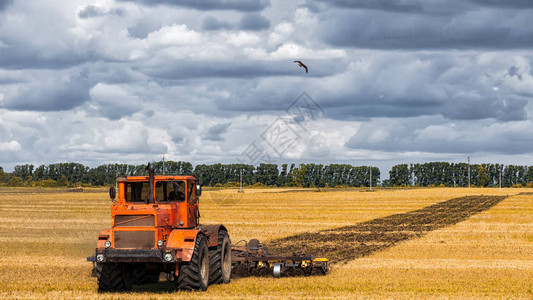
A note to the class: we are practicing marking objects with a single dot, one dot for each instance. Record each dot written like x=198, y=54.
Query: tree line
x=458, y=175
x=303, y=175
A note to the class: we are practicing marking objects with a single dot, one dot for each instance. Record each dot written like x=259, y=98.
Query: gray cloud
x=38, y=43
x=387, y=5
x=360, y=107
x=113, y=103
x=91, y=11
x=215, y=132
x=435, y=7
x=438, y=135
x=24, y=56
x=239, y=5
x=183, y=69
x=141, y=29
x=254, y=21
x=250, y=22
x=212, y=23
x=456, y=86
x=4, y=4
x=469, y=28
x=50, y=94
x=505, y=4
x=386, y=85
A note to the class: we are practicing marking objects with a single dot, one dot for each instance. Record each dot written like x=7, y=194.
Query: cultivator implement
x=253, y=255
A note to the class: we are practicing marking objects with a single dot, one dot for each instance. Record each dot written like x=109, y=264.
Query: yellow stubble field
x=487, y=252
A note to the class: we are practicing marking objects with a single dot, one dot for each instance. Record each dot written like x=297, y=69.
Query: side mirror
x=198, y=190
x=112, y=193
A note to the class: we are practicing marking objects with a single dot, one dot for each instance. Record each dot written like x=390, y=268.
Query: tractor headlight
x=100, y=257
x=159, y=243
x=107, y=244
x=168, y=256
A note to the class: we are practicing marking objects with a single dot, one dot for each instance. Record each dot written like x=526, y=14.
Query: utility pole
x=240, y=190
x=370, y=178
x=468, y=170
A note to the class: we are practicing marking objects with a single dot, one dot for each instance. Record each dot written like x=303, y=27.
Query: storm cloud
x=251, y=21
x=216, y=131
x=438, y=135
x=49, y=94
x=428, y=24
x=4, y=4
x=240, y=5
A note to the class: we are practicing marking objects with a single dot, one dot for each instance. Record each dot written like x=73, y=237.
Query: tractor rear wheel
x=194, y=275
x=220, y=260
x=114, y=277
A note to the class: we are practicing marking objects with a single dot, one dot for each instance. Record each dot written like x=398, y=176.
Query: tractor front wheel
x=114, y=277
x=194, y=275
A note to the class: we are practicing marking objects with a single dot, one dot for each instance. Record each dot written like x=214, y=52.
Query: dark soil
x=350, y=242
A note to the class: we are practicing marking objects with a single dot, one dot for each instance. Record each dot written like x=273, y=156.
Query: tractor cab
x=149, y=208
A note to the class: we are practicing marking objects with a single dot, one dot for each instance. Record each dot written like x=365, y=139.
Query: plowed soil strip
x=354, y=241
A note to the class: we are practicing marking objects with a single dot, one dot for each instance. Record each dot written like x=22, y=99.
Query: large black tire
x=97, y=270
x=114, y=277
x=220, y=260
x=194, y=275
x=142, y=276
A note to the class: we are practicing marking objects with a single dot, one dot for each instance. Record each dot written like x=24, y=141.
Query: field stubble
x=429, y=245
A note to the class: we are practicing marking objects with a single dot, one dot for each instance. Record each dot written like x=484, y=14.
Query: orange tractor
x=156, y=230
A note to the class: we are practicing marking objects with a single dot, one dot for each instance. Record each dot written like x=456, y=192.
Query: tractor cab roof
x=156, y=177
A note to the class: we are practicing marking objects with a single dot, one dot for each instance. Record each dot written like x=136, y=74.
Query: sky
x=389, y=82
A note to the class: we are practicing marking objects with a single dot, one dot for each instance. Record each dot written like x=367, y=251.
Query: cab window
x=137, y=191
x=166, y=191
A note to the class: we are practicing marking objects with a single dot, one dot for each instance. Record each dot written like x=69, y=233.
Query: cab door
x=192, y=204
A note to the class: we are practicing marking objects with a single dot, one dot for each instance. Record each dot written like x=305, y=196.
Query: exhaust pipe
x=150, y=197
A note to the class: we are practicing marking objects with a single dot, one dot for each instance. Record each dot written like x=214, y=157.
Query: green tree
x=399, y=175
x=15, y=181
x=267, y=174
x=482, y=176
x=300, y=176
x=62, y=181
x=23, y=171
x=296, y=176
x=529, y=175
x=282, y=178
x=460, y=174
x=510, y=176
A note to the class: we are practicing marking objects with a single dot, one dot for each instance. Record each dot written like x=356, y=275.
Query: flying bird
x=301, y=64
